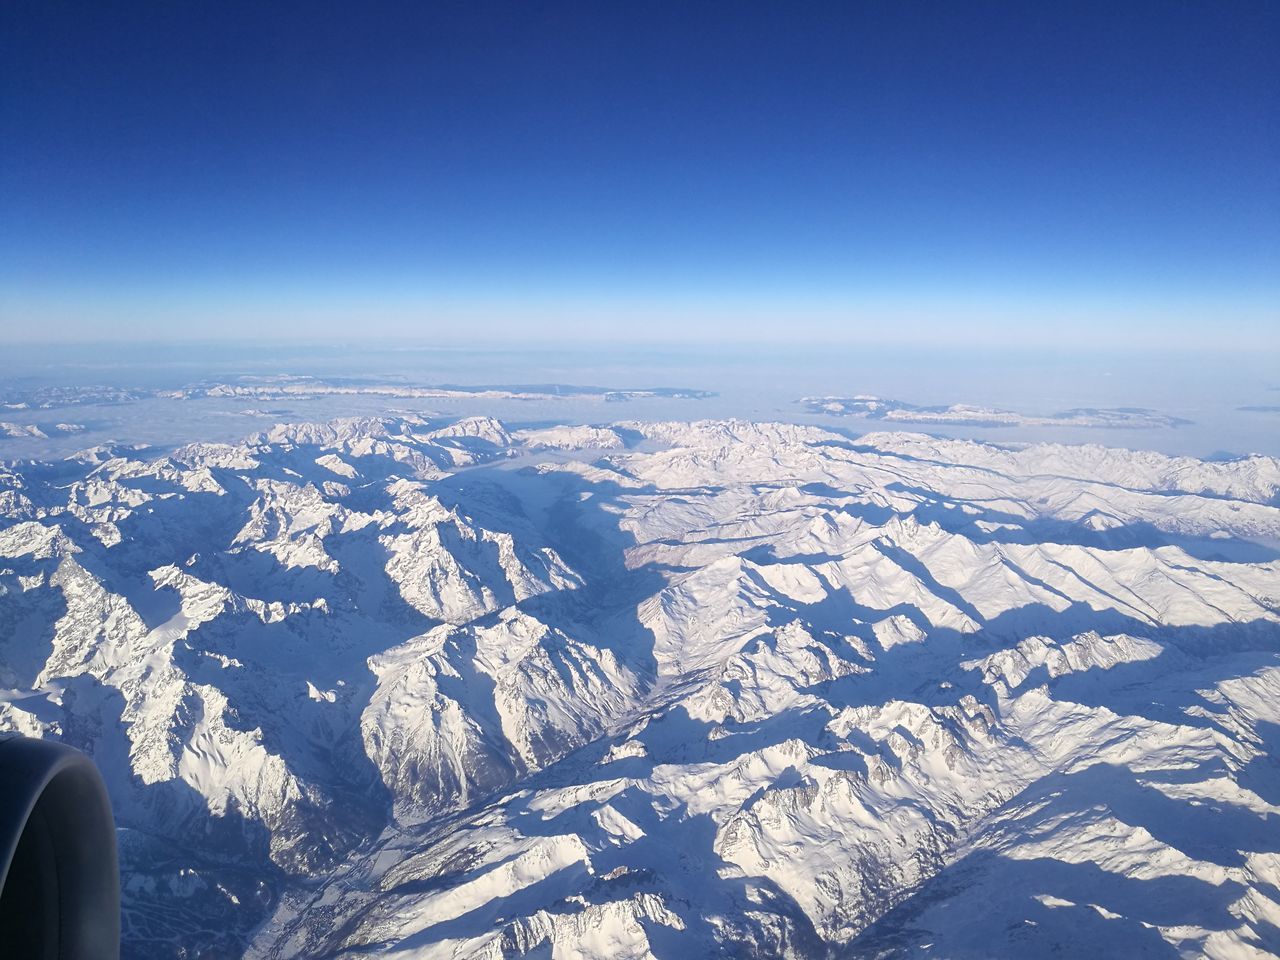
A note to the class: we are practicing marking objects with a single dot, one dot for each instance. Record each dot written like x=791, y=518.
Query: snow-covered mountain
x=417, y=688
x=899, y=411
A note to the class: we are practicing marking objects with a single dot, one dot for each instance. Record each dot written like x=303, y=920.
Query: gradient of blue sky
x=930, y=171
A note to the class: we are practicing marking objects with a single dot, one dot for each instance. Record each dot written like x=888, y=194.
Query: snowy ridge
x=405, y=687
x=876, y=408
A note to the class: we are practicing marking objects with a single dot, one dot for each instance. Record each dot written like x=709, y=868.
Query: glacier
x=412, y=686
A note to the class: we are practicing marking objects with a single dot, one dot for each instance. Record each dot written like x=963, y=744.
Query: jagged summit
x=399, y=686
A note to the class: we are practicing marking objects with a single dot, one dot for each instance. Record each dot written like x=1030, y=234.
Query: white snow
x=724, y=687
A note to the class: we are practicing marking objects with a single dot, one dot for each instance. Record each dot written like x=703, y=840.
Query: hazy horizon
x=1227, y=404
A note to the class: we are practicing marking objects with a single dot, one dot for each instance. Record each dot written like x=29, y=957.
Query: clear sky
x=887, y=171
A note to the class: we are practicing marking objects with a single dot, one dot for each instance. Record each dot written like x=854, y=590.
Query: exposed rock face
x=388, y=686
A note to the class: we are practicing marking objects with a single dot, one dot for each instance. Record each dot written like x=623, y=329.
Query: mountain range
x=413, y=687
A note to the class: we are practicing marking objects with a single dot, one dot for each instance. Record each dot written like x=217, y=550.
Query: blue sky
x=887, y=172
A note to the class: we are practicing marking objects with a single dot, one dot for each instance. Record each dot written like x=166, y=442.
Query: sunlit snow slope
x=413, y=688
